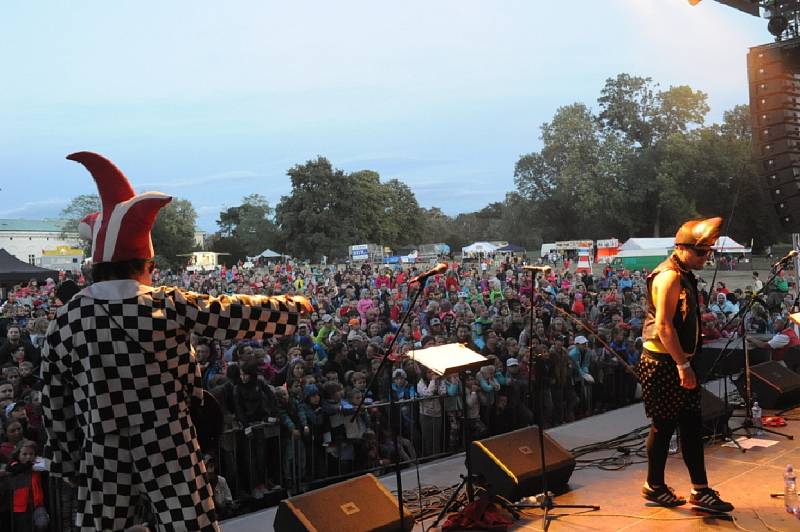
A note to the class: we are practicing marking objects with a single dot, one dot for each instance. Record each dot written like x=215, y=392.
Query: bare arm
x=666, y=292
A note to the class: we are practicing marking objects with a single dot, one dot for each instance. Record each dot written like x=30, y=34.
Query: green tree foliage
x=642, y=165
x=247, y=229
x=329, y=210
x=173, y=232
x=76, y=209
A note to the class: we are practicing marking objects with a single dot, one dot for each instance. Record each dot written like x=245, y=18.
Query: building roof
x=39, y=226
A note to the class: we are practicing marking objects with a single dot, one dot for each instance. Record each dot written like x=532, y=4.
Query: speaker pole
x=536, y=371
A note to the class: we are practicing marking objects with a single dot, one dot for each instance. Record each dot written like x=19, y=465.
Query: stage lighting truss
x=783, y=15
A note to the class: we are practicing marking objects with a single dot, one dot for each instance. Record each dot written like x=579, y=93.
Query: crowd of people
x=288, y=403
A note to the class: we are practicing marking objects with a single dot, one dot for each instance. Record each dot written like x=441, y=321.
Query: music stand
x=445, y=360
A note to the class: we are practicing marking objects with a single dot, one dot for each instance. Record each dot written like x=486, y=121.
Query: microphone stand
x=747, y=422
x=545, y=499
x=392, y=405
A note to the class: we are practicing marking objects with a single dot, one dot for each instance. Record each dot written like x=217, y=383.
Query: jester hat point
x=121, y=230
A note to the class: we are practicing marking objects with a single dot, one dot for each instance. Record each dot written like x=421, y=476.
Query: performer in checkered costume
x=119, y=370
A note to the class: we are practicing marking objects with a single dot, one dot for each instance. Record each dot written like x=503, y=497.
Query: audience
x=288, y=404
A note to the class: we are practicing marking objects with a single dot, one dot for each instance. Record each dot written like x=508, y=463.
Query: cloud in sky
x=233, y=175
x=51, y=206
x=443, y=95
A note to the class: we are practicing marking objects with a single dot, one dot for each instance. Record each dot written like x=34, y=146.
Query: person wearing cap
x=669, y=386
x=119, y=369
x=581, y=357
x=785, y=338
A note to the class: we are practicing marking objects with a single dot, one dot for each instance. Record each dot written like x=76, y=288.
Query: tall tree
x=251, y=224
x=646, y=117
x=76, y=209
x=173, y=232
x=310, y=217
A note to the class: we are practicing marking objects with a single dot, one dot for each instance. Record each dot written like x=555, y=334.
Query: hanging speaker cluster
x=773, y=72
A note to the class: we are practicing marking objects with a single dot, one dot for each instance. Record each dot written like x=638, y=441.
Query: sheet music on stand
x=449, y=358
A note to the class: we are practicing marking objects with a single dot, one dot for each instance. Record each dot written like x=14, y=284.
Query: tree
x=76, y=209
x=645, y=117
x=250, y=226
x=310, y=217
x=403, y=223
x=173, y=232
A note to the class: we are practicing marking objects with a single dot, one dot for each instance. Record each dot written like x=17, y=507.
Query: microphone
x=789, y=256
x=439, y=268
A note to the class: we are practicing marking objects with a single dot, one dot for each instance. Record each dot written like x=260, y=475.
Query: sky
x=211, y=101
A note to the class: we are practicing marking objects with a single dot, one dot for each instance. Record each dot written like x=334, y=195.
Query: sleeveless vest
x=686, y=319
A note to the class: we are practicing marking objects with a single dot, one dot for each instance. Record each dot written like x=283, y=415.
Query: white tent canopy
x=479, y=247
x=266, y=254
x=724, y=244
x=648, y=243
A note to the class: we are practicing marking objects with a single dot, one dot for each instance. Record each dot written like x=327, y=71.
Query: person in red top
x=384, y=280
x=784, y=339
x=710, y=332
x=451, y=283
x=26, y=486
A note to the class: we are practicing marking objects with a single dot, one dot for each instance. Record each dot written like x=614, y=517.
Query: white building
x=200, y=239
x=27, y=239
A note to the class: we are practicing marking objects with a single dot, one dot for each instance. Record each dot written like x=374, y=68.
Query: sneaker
x=708, y=499
x=663, y=496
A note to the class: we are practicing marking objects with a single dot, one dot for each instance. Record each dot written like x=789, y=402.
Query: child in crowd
x=313, y=421
x=223, y=500
x=25, y=491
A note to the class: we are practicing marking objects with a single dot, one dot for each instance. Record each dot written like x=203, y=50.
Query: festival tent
x=266, y=254
x=478, y=248
x=511, y=248
x=648, y=243
x=13, y=270
x=726, y=244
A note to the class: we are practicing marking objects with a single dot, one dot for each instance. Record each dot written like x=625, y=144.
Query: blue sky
x=211, y=101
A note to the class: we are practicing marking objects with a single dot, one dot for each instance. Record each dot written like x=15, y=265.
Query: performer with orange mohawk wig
x=670, y=390
x=119, y=369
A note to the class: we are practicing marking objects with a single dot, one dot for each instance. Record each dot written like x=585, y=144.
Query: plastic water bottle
x=790, y=490
x=757, y=422
x=673, y=443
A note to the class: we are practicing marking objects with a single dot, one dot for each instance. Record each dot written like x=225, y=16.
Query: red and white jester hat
x=121, y=230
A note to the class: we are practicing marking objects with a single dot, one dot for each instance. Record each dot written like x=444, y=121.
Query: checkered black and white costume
x=117, y=419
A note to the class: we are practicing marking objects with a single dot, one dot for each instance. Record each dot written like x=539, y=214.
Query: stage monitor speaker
x=715, y=415
x=510, y=464
x=773, y=385
x=355, y=505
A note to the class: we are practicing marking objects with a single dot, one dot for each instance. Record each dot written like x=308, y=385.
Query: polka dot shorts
x=663, y=396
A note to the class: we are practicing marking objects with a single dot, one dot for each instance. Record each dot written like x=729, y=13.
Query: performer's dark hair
x=108, y=271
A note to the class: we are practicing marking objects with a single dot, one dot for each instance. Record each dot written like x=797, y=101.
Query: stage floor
x=746, y=479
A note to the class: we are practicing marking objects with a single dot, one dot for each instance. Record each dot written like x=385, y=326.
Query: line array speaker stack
x=510, y=464
x=360, y=504
x=773, y=72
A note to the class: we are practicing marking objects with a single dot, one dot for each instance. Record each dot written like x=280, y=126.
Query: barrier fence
x=264, y=462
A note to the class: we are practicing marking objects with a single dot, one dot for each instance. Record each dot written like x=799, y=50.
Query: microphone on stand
x=789, y=256
x=436, y=270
